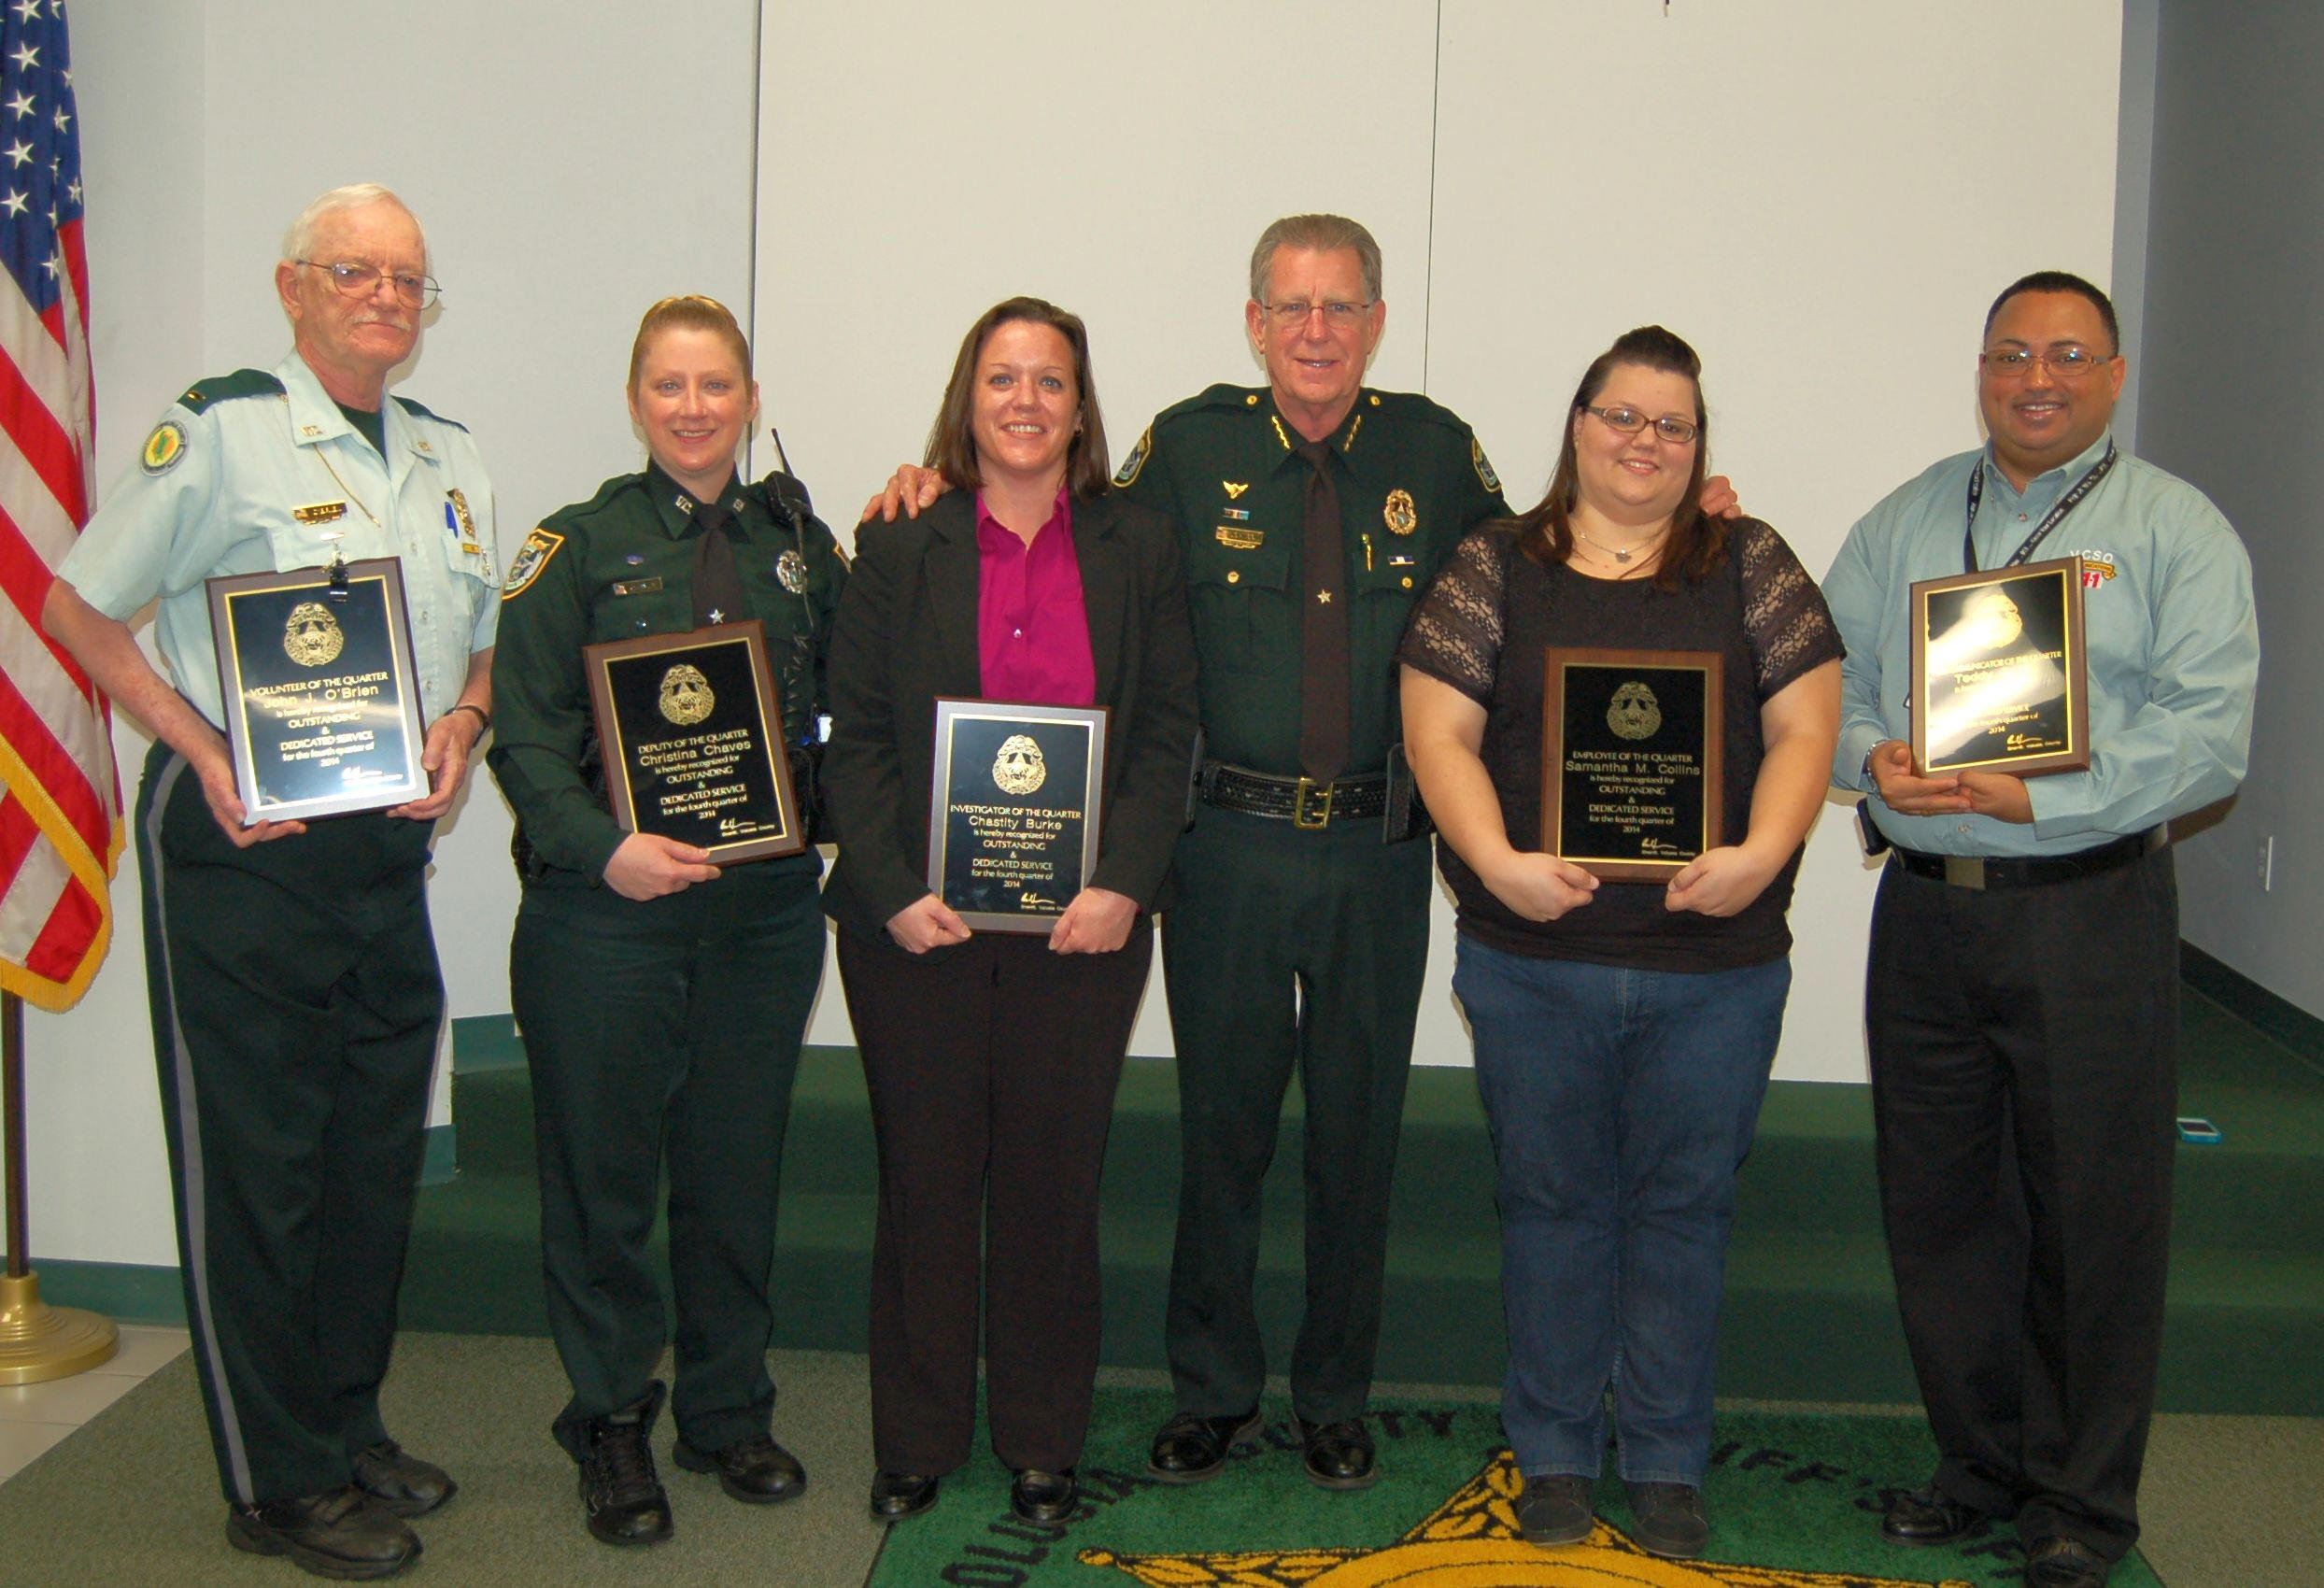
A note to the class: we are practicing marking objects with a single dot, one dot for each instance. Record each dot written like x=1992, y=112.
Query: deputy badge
x=531, y=556
x=1402, y=517
x=1019, y=768
x=1485, y=476
x=1128, y=472
x=1633, y=713
x=311, y=636
x=319, y=513
x=685, y=697
x=164, y=448
x=792, y=569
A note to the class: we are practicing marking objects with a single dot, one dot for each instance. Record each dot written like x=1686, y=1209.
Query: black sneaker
x=626, y=1501
x=1555, y=1508
x=400, y=1480
x=1667, y=1520
x=340, y=1533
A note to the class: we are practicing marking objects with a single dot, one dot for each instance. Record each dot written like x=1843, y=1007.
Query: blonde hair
x=689, y=312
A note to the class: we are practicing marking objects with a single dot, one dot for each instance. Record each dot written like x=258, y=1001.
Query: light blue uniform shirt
x=2171, y=636
x=223, y=501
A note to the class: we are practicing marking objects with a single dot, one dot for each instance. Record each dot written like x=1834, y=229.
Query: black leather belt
x=2033, y=870
x=1299, y=801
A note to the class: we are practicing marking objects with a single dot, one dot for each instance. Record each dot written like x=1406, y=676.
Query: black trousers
x=992, y=1067
x=2024, y=1071
x=296, y=1004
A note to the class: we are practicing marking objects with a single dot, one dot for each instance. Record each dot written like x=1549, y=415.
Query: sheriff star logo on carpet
x=1471, y=1542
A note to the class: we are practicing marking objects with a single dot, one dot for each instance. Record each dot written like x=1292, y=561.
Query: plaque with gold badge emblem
x=691, y=727
x=1013, y=821
x=2000, y=682
x=321, y=695
x=1631, y=751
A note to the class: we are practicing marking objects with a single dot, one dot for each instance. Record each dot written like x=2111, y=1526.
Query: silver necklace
x=1616, y=553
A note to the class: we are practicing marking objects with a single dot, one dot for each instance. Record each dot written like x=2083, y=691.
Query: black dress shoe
x=1339, y=1456
x=1036, y=1496
x=400, y=1480
x=340, y=1533
x=2060, y=1561
x=896, y=1496
x=755, y=1470
x=1667, y=1520
x=1189, y=1448
x=619, y=1488
x=1927, y=1516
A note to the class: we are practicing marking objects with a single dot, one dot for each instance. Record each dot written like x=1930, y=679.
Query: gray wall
x=2232, y=399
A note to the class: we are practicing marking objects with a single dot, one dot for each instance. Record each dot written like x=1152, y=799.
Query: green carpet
x=1792, y=1498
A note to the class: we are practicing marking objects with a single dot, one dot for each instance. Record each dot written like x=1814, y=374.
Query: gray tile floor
x=35, y=1417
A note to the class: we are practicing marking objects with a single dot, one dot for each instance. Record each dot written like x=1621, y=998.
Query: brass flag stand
x=37, y=1341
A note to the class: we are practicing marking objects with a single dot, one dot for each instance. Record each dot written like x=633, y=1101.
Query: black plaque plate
x=691, y=730
x=321, y=696
x=2000, y=682
x=1013, y=824
x=1630, y=759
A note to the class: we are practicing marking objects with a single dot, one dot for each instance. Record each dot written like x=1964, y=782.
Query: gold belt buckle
x=1305, y=810
x=1964, y=870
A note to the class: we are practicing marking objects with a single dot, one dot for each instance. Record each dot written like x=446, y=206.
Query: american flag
x=60, y=816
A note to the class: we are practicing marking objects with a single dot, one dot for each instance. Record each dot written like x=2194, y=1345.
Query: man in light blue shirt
x=2021, y=997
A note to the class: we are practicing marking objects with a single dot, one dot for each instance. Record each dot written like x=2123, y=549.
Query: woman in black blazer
x=992, y=1057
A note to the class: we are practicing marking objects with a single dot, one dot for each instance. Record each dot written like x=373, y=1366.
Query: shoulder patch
x=531, y=556
x=1128, y=472
x=164, y=448
x=418, y=412
x=223, y=388
x=1485, y=476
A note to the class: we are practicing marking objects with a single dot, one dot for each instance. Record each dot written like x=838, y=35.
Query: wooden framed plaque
x=320, y=692
x=1014, y=818
x=2000, y=681
x=691, y=730
x=1631, y=750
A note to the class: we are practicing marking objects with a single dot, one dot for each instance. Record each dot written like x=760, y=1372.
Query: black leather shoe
x=1927, y=1516
x=2059, y=1562
x=1339, y=1456
x=1188, y=1448
x=896, y=1496
x=1667, y=1520
x=400, y=1480
x=340, y=1533
x=1044, y=1496
x=624, y=1496
x=1555, y=1508
x=754, y=1470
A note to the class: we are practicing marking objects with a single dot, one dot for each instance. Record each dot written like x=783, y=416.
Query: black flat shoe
x=896, y=1495
x=340, y=1533
x=1340, y=1455
x=620, y=1491
x=1189, y=1449
x=1927, y=1517
x=400, y=1480
x=755, y=1470
x=1036, y=1496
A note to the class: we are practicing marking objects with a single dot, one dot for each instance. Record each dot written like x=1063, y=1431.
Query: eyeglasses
x=1629, y=421
x=1339, y=315
x=2068, y=361
x=361, y=280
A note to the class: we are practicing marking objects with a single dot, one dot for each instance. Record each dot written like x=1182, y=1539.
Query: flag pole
x=36, y=1341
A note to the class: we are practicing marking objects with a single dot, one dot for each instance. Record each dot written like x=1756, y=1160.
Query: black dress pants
x=2024, y=1071
x=992, y=1067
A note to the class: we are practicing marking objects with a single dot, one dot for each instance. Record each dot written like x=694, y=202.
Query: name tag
x=1241, y=539
x=637, y=586
x=319, y=512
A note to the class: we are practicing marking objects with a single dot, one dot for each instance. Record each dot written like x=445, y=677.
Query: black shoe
x=626, y=1501
x=1339, y=1454
x=1555, y=1508
x=400, y=1480
x=340, y=1533
x=896, y=1495
x=1667, y=1520
x=1190, y=1448
x=1044, y=1496
x=2060, y=1561
x=1927, y=1516
x=755, y=1470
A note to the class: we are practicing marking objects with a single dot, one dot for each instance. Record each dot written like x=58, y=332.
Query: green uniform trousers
x=1266, y=911
x=296, y=1003
x=664, y=1030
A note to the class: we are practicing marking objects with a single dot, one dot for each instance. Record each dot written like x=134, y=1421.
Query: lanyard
x=2051, y=520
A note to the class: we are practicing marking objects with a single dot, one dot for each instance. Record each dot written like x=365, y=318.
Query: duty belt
x=1301, y=801
x=2033, y=870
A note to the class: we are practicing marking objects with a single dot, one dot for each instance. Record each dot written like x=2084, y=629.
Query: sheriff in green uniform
x=1300, y=933
x=661, y=998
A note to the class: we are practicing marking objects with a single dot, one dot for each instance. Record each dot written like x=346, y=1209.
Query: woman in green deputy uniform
x=661, y=998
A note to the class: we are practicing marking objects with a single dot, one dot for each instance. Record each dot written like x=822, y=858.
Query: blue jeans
x=1621, y=1102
